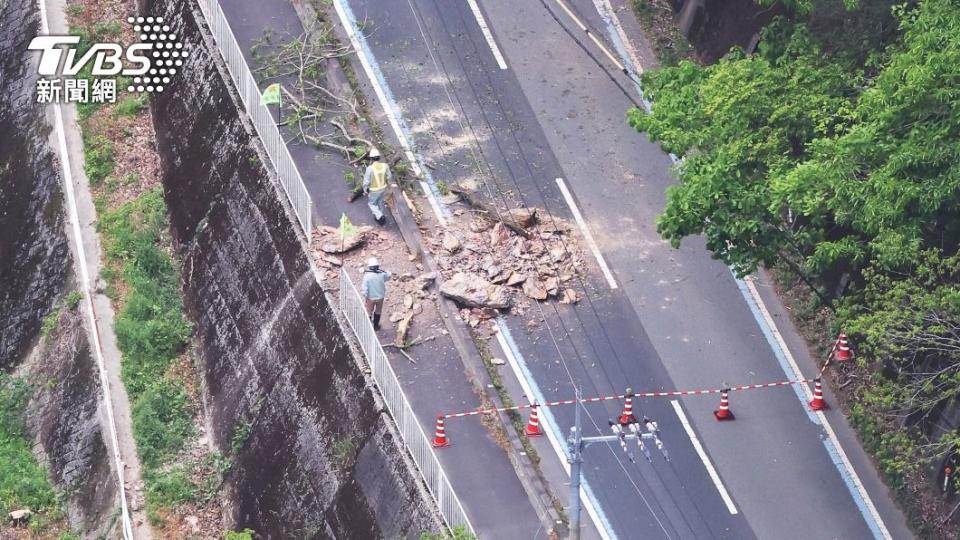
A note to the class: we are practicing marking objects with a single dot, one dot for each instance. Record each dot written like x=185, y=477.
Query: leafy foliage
x=97, y=158
x=151, y=332
x=23, y=482
x=913, y=323
x=740, y=122
x=839, y=155
x=171, y=487
x=791, y=153
x=150, y=327
x=457, y=533
x=889, y=186
x=161, y=421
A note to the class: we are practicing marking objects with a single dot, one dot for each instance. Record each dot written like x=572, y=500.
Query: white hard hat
x=374, y=153
x=372, y=262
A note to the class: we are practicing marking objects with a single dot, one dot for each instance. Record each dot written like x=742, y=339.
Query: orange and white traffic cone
x=842, y=348
x=440, y=439
x=533, y=425
x=724, y=412
x=627, y=417
x=818, y=403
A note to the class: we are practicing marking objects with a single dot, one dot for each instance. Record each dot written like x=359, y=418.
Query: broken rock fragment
x=333, y=243
x=451, y=243
x=498, y=234
x=534, y=288
x=524, y=217
x=474, y=291
x=424, y=281
x=569, y=297
x=515, y=279
x=552, y=285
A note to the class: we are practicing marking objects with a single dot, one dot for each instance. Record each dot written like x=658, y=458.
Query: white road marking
x=626, y=51
x=592, y=37
x=550, y=426
x=127, y=527
x=586, y=233
x=704, y=458
x=487, y=34
x=624, y=48
x=853, y=480
x=372, y=69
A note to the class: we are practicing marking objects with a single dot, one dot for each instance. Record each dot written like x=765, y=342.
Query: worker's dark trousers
x=374, y=308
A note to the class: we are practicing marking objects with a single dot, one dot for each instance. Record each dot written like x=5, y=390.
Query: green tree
x=911, y=324
x=794, y=156
x=889, y=186
x=740, y=122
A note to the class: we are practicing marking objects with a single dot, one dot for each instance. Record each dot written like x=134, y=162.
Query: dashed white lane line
x=549, y=423
x=861, y=497
x=487, y=34
x=704, y=458
x=586, y=233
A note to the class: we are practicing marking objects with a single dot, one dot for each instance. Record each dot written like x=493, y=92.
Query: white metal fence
x=262, y=119
x=417, y=441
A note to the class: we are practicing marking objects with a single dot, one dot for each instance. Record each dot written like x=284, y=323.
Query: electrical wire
x=427, y=41
x=513, y=176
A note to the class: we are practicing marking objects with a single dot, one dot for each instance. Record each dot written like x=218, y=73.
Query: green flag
x=346, y=228
x=271, y=95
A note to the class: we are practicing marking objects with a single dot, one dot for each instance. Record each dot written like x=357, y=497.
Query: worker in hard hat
x=374, y=289
x=375, y=185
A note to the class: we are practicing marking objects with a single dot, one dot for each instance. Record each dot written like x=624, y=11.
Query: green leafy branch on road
x=316, y=112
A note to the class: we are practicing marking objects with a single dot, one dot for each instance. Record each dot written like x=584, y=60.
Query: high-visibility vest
x=379, y=176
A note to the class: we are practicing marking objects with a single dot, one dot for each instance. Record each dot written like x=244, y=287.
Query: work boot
x=382, y=220
x=376, y=321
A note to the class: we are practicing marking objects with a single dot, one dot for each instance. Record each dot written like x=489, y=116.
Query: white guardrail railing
x=261, y=116
x=416, y=440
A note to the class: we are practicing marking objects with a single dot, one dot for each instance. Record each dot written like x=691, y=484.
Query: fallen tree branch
x=470, y=197
x=403, y=352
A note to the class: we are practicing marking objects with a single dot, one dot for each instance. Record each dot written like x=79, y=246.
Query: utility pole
x=576, y=443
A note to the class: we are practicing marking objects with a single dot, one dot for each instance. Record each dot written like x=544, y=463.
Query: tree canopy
x=835, y=149
x=792, y=153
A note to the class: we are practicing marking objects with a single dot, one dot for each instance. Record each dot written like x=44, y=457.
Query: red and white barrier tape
x=668, y=393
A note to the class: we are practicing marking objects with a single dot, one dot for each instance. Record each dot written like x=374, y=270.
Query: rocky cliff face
x=35, y=266
x=313, y=455
x=63, y=415
x=33, y=247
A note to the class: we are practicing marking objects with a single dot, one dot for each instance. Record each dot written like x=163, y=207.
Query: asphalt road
x=677, y=320
x=479, y=470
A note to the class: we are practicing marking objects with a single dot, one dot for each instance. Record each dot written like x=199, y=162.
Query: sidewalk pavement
x=433, y=377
